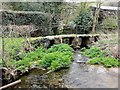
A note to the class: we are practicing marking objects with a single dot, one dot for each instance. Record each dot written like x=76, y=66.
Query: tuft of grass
x=13, y=46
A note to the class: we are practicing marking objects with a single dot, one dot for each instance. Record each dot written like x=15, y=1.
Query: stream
x=79, y=75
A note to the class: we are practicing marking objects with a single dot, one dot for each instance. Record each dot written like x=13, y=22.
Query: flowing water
x=79, y=75
x=90, y=76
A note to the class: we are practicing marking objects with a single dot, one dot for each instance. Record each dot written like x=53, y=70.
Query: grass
x=108, y=42
x=55, y=58
x=110, y=22
x=12, y=47
x=13, y=44
x=109, y=38
x=9, y=42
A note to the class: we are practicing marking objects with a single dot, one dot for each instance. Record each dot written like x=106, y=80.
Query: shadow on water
x=38, y=78
x=79, y=75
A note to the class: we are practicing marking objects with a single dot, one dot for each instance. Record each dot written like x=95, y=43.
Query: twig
x=11, y=84
x=49, y=72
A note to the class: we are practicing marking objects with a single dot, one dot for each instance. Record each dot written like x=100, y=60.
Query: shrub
x=84, y=22
x=56, y=60
x=57, y=57
x=29, y=59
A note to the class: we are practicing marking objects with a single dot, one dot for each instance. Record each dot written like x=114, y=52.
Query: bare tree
x=95, y=19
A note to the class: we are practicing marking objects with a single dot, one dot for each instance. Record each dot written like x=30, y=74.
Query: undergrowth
x=100, y=57
x=57, y=57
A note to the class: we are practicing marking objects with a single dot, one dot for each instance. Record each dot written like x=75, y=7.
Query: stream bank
x=90, y=76
x=79, y=75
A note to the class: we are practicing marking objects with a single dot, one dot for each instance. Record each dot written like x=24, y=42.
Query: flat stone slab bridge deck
x=72, y=35
x=75, y=40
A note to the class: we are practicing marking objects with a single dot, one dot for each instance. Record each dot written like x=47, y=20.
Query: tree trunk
x=95, y=20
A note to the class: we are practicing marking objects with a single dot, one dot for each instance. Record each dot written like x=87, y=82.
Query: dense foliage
x=28, y=60
x=56, y=60
x=84, y=22
x=34, y=6
x=60, y=48
x=59, y=56
x=100, y=57
x=93, y=52
x=106, y=61
x=46, y=19
x=41, y=57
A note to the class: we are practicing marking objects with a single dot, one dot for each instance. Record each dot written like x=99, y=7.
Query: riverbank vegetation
x=57, y=57
x=32, y=36
x=100, y=57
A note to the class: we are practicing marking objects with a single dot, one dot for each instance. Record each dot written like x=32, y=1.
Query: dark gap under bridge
x=75, y=40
